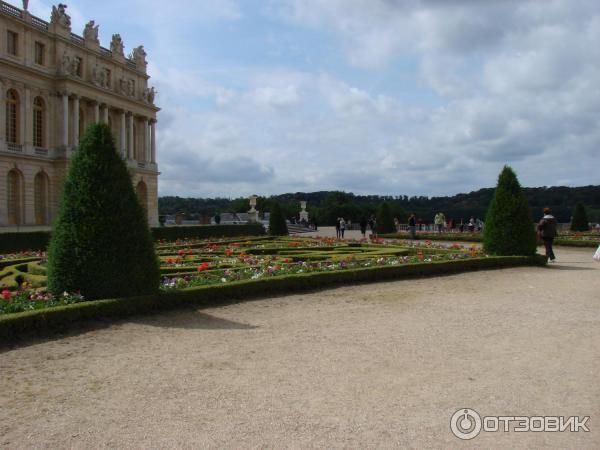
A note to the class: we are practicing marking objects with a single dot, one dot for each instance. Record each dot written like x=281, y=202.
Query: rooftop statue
x=116, y=45
x=59, y=16
x=90, y=32
x=138, y=55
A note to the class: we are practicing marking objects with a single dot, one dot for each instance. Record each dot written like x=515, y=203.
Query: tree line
x=326, y=206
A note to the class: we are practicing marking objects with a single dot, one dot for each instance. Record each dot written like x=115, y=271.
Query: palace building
x=53, y=84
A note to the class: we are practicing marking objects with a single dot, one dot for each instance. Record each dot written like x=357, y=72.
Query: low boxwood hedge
x=43, y=322
x=38, y=240
x=458, y=237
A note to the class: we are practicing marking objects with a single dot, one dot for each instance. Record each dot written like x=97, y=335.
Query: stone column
x=130, y=148
x=153, y=141
x=65, y=133
x=146, y=140
x=75, y=120
x=123, y=136
x=105, y=114
x=96, y=112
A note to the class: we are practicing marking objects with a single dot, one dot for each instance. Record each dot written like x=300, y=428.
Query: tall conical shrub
x=277, y=224
x=101, y=244
x=509, y=228
x=579, y=222
x=385, y=221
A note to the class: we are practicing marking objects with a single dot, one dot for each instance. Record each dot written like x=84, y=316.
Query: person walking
x=342, y=227
x=373, y=227
x=547, y=232
x=471, y=225
x=439, y=220
x=337, y=228
x=363, y=227
x=412, y=226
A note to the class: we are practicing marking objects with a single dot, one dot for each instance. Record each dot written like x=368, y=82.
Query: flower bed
x=188, y=264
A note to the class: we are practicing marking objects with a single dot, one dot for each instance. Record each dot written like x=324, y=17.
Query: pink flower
x=5, y=294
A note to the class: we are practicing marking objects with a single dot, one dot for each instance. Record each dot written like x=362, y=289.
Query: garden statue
x=303, y=212
x=253, y=213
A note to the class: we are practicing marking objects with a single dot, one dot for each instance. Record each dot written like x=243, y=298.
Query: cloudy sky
x=410, y=97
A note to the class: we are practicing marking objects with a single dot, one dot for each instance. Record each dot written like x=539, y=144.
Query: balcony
x=14, y=148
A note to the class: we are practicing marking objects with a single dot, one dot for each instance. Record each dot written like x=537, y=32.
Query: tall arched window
x=81, y=124
x=12, y=117
x=142, y=194
x=39, y=117
x=135, y=142
x=15, y=197
x=40, y=188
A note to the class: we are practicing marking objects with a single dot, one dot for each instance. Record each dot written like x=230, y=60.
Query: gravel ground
x=371, y=366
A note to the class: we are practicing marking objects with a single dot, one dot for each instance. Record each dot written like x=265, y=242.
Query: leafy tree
x=277, y=225
x=385, y=221
x=580, y=219
x=101, y=244
x=509, y=226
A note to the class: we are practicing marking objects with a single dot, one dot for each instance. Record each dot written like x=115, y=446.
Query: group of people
x=340, y=227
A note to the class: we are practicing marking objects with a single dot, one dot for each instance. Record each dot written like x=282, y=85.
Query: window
x=40, y=53
x=14, y=198
x=81, y=124
x=12, y=117
x=38, y=122
x=40, y=198
x=12, y=41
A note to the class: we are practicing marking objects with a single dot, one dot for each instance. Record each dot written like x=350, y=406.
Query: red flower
x=202, y=267
x=229, y=252
x=5, y=294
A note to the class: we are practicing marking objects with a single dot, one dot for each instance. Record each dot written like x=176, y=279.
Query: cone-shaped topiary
x=579, y=222
x=101, y=244
x=509, y=228
x=277, y=225
x=385, y=221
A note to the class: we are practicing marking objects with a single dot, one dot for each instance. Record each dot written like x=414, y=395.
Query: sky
x=393, y=97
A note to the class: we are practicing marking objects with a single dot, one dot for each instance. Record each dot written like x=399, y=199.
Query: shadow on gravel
x=191, y=320
x=559, y=267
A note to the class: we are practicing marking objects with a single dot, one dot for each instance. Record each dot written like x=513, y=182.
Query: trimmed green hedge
x=43, y=322
x=38, y=240
x=26, y=240
x=207, y=231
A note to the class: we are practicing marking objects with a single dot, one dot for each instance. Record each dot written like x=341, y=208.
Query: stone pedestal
x=303, y=213
x=253, y=213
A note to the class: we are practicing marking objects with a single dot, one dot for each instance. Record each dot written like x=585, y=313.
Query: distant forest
x=325, y=206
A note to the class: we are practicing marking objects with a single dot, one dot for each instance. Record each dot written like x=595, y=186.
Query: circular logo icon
x=465, y=423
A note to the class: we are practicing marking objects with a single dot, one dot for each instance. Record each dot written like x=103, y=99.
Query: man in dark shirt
x=547, y=232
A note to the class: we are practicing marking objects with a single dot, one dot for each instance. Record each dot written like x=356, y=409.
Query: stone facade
x=53, y=84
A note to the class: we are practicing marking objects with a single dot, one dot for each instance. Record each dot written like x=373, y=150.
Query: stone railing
x=11, y=10
x=77, y=39
x=40, y=151
x=105, y=52
x=12, y=147
x=39, y=23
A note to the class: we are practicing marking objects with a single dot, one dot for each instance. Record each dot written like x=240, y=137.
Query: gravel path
x=371, y=366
